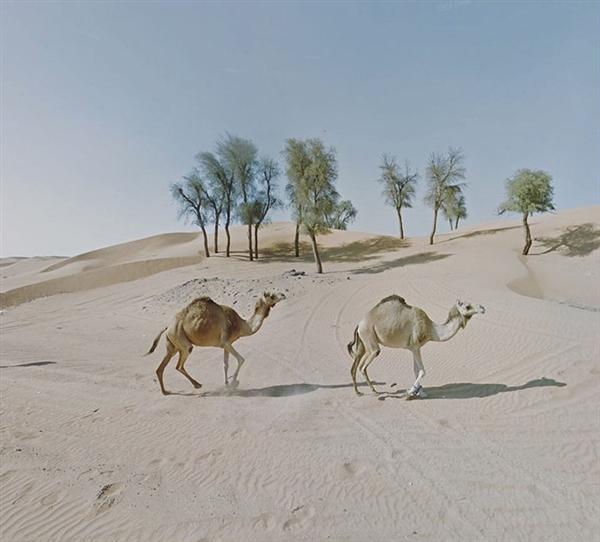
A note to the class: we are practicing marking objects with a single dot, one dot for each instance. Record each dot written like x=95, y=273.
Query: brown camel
x=206, y=323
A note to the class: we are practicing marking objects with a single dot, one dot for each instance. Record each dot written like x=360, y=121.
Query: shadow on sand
x=358, y=251
x=477, y=233
x=283, y=390
x=579, y=240
x=468, y=390
x=29, y=364
x=421, y=257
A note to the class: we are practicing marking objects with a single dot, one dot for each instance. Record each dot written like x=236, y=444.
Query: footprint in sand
x=50, y=499
x=300, y=519
x=350, y=469
x=264, y=522
x=107, y=497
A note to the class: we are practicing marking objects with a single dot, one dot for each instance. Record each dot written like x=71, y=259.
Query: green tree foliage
x=398, y=186
x=528, y=191
x=221, y=180
x=454, y=208
x=342, y=215
x=318, y=195
x=191, y=198
x=240, y=157
x=312, y=172
x=215, y=200
x=265, y=199
x=297, y=161
x=444, y=173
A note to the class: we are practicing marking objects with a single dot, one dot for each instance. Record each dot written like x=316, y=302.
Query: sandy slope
x=505, y=448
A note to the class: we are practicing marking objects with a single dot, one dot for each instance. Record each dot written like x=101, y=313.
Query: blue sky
x=103, y=105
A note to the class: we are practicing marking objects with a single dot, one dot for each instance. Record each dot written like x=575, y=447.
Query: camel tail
x=355, y=341
x=155, y=343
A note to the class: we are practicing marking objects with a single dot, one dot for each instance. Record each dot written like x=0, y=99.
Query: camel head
x=270, y=299
x=467, y=310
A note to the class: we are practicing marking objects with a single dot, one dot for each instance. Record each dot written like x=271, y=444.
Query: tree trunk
x=435, y=213
x=399, y=211
x=256, y=226
x=316, y=253
x=450, y=222
x=456, y=223
x=297, y=241
x=250, y=242
x=216, y=235
x=205, y=239
x=228, y=247
x=527, y=235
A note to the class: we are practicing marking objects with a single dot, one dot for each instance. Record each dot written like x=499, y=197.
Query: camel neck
x=255, y=322
x=454, y=323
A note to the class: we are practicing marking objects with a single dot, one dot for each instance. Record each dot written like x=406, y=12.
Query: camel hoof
x=418, y=394
x=197, y=385
x=165, y=392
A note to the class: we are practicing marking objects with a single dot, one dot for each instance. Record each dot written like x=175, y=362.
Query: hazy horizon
x=104, y=105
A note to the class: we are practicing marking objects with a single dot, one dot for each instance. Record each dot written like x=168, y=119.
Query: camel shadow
x=579, y=240
x=282, y=390
x=421, y=257
x=469, y=390
x=29, y=364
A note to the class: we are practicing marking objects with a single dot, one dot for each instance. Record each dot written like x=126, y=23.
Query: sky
x=103, y=105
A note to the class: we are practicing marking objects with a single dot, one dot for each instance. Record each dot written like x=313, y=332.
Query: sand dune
x=505, y=447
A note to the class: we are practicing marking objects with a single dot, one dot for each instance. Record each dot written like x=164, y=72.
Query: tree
x=444, y=171
x=528, y=191
x=240, y=157
x=317, y=194
x=461, y=210
x=222, y=181
x=215, y=200
x=190, y=196
x=342, y=214
x=454, y=208
x=297, y=159
x=266, y=199
x=398, y=188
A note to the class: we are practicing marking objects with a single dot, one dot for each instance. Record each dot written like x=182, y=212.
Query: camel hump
x=202, y=300
x=200, y=305
x=393, y=297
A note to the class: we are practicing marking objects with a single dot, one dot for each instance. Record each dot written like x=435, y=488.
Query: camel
x=206, y=323
x=394, y=323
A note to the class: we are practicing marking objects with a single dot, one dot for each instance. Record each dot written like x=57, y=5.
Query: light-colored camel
x=206, y=323
x=394, y=323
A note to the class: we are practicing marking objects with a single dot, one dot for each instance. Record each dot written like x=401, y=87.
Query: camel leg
x=358, y=356
x=240, y=360
x=183, y=356
x=365, y=365
x=357, y=359
x=226, y=364
x=161, y=368
x=416, y=390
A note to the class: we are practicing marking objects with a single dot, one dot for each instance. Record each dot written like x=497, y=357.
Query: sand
x=506, y=447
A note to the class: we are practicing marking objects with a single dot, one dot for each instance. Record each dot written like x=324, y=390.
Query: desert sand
x=506, y=446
